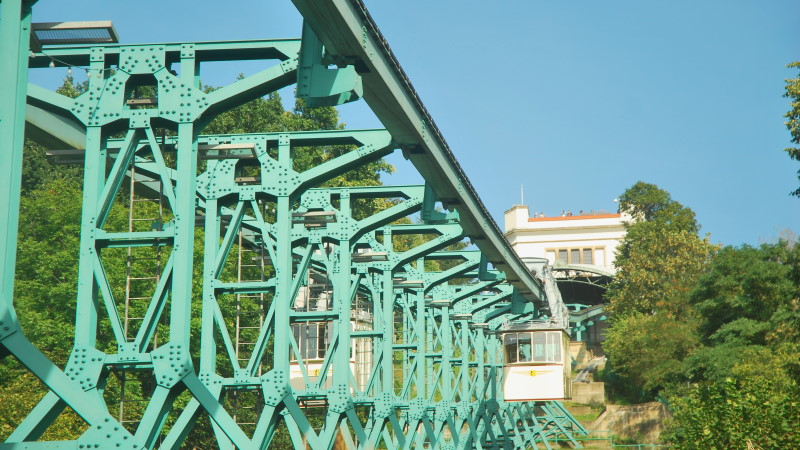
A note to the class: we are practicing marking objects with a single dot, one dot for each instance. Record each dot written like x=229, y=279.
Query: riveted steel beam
x=308, y=300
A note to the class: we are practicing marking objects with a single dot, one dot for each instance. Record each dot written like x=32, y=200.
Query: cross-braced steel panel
x=316, y=317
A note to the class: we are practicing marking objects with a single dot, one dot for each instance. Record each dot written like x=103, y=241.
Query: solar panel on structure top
x=61, y=33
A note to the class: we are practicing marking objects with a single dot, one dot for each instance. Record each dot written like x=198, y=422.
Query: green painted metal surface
x=314, y=316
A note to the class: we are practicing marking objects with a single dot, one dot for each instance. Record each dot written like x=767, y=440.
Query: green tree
x=754, y=412
x=648, y=350
x=743, y=283
x=660, y=256
x=747, y=305
x=646, y=202
x=658, y=261
x=793, y=116
x=656, y=271
x=745, y=372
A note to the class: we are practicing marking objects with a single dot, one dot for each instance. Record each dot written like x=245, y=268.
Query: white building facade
x=584, y=239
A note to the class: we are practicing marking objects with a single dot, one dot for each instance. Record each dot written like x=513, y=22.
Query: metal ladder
x=250, y=315
x=142, y=274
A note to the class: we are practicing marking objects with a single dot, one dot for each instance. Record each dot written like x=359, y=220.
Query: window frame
x=548, y=344
x=581, y=250
x=320, y=339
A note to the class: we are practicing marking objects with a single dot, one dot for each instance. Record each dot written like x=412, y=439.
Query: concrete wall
x=640, y=423
x=593, y=393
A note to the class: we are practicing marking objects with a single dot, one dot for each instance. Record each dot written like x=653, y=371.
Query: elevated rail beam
x=349, y=33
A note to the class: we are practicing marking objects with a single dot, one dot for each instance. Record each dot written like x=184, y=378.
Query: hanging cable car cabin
x=537, y=363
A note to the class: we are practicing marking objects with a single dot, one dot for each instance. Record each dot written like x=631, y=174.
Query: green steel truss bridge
x=312, y=319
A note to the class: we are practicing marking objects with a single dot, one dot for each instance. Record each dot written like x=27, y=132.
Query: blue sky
x=574, y=100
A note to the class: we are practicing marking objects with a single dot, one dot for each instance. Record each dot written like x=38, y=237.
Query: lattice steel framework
x=404, y=355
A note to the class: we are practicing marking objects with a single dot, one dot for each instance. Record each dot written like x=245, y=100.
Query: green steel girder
x=440, y=334
x=99, y=192
x=320, y=194
x=15, y=23
x=470, y=260
x=432, y=361
x=318, y=84
x=79, y=56
x=105, y=104
x=282, y=179
x=386, y=191
x=52, y=130
x=582, y=317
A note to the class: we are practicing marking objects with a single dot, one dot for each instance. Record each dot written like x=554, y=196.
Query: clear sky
x=574, y=100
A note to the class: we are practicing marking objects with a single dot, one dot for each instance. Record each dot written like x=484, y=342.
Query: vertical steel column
x=186, y=198
x=15, y=23
x=283, y=267
x=422, y=343
x=386, y=302
x=341, y=291
x=210, y=248
x=93, y=183
x=180, y=313
x=446, y=339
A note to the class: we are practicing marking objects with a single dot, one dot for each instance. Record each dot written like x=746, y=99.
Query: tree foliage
x=737, y=413
x=645, y=202
x=648, y=350
x=657, y=271
x=715, y=331
x=660, y=256
x=658, y=261
x=743, y=377
x=793, y=116
x=743, y=284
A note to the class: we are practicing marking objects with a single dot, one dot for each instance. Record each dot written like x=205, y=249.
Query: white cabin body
x=537, y=365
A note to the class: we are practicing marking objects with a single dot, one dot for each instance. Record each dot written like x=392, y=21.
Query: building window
x=600, y=256
x=578, y=255
x=312, y=339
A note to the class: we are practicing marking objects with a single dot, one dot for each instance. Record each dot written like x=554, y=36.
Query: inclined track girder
x=349, y=33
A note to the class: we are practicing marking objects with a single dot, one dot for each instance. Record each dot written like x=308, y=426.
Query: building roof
x=579, y=217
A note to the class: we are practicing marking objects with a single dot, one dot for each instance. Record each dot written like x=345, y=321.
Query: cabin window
x=524, y=344
x=547, y=346
x=312, y=339
x=537, y=346
x=510, y=343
